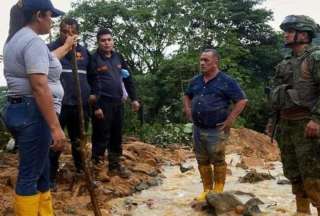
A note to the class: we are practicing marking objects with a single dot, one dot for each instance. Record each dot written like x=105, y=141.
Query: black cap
x=41, y=5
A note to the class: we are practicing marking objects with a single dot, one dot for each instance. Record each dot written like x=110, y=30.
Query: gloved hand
x=125, y=73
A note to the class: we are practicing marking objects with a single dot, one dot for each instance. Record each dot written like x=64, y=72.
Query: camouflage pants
x=301, y=159
x=209, y=146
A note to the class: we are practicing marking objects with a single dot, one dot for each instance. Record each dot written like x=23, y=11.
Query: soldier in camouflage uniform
x=295, y=97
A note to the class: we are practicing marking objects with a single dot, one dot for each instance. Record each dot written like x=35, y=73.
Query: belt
x=15, y=100
x=295, y=113
x=111, y=101
x=202, y=126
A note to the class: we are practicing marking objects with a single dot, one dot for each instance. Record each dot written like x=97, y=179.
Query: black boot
x=54, y=166
x=119, y=170
x=115, y=167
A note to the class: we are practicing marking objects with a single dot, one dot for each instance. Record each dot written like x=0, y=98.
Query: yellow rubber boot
x=27, y=205
x=206, y=176
x=303, y=205
x=312, y=188
x=220, y=172
x=45, y=204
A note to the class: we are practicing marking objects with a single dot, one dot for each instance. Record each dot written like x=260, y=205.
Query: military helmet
x=300, y=23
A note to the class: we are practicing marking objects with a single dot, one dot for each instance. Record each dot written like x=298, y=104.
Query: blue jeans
x=209, y=145
x=33, y=138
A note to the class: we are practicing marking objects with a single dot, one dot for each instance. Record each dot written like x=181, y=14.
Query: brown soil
x=143, y=160
x=71, y=197
x=255, y=149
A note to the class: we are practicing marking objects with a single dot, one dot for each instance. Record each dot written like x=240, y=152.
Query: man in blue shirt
x=69, y=116
x=207, y=103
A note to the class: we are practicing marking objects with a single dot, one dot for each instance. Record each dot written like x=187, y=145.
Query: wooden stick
x=83, y=138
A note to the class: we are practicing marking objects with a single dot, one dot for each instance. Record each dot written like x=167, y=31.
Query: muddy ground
x=143, y=160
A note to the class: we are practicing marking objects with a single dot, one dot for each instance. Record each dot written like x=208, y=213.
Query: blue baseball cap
x=41, y=5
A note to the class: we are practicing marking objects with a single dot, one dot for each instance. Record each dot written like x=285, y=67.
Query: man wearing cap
x=295, y=98
x=69, y=116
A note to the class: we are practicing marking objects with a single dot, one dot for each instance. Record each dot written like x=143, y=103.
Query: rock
x=252, y=207
x=154, y=173
x=241, y=193
x=252, y=211
x=185, y=168
x=199, y=206
x=253, y=176
x=69, y=210
x=154, y=182
x=283, y=181
x=254, y=202
x=240, y=209
x=162, y=176
x=11, y=144
x=130, y=204
x=142, y=186
x=150, y=203
x=269, y=166
x=130, y=201
x=223, y=202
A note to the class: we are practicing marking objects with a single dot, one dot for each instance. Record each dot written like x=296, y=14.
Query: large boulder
x=234, y=202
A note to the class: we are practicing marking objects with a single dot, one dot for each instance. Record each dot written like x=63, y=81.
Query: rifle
x=276, y=116
x=275, y=126
x=83, y=137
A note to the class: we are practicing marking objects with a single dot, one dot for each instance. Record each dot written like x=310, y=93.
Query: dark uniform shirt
x=83, y=60
x=211, y=100
x=105, y=77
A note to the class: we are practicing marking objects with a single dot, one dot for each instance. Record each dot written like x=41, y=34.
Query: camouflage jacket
x=297, y=82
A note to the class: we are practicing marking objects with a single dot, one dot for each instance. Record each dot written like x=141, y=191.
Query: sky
x=280, y=8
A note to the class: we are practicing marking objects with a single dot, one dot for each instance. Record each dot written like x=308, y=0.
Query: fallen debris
x=185, y=168
x=253, y=176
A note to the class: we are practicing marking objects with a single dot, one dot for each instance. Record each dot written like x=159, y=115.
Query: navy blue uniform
x=83, y=60
x=106, y=83
x=69, y=116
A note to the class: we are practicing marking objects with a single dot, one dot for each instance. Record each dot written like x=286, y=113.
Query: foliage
x=257, y=112
x=156, y=133
x=164, y=134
